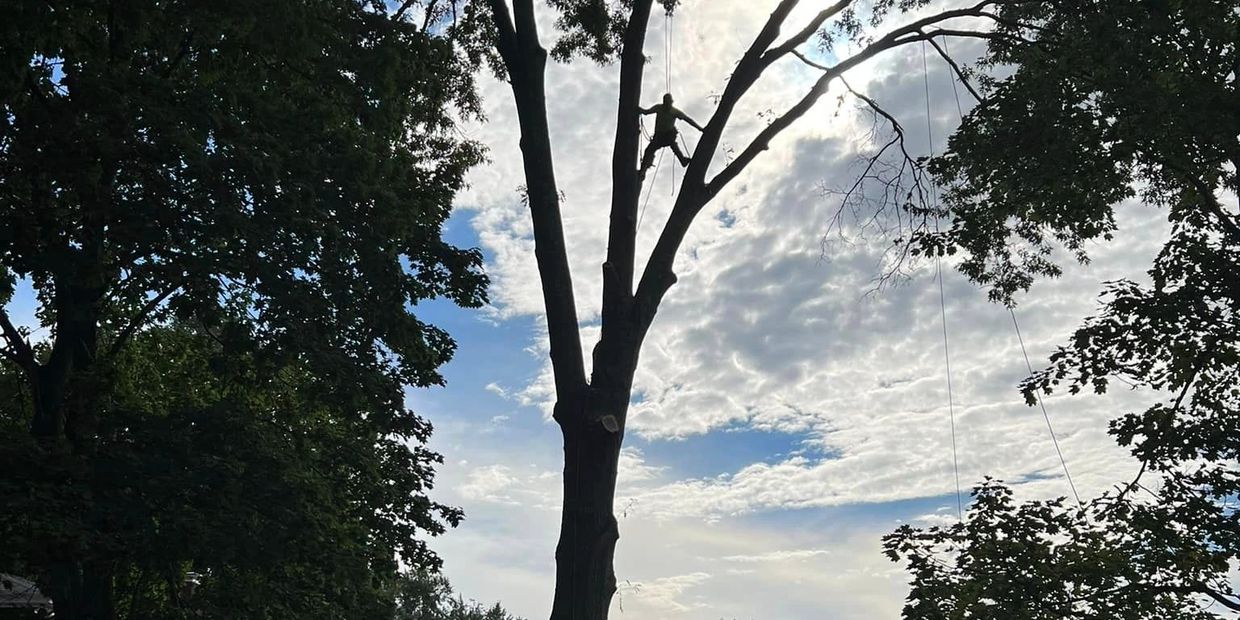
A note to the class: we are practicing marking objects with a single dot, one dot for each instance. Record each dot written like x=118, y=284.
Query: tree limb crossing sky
x=785, y=415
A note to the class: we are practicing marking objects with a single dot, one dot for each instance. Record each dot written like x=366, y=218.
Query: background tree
x=425, y=595
x=591, y=411
x=227, y=482
x=281, y=170
x=1104, y=101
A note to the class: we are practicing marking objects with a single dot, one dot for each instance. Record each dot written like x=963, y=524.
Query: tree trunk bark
x=65, y=416
x=585, y=579
x=81, y=590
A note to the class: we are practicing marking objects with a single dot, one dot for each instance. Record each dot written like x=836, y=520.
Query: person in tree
x=665, y=133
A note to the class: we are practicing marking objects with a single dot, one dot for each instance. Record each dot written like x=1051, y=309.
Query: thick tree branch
x=526, y=24
x=626, y=184
x=526, y=60
x=911, y=33
x=748, y=70
x=1208, y=198
x=18, y=351
x=805, y=33
x=696, y=192
x=400, y=11
x=1221, y=598
x=507, y=34
x=951, y=62
x=658, y=276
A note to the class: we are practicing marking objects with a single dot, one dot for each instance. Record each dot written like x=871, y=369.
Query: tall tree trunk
x=593, y=430
x=591, y=414
x=65, y=416
x=585, y=580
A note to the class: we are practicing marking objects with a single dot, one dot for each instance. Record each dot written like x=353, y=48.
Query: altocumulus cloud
x=768, y=332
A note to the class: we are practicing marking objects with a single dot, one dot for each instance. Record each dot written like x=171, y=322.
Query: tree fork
x=585, y=581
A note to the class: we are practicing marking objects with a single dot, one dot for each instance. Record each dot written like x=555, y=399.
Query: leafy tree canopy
x=1104, y=101
x=291, y=163
x=227, y=212
x=423, y=595
x=226, y=484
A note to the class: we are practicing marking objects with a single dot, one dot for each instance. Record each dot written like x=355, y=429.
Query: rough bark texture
x=585, y=579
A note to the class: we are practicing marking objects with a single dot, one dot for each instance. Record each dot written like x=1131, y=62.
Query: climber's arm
x=685, y=117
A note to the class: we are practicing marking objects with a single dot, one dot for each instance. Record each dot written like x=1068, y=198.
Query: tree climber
x=665, y=131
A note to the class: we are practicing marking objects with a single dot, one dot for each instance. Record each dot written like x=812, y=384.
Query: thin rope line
x=951, y=78
x=1045, y=415
x=667, y=51
x=951, y=407
x=938, y=267
x=1028, y=365
x=650, y=190
x=668, y=42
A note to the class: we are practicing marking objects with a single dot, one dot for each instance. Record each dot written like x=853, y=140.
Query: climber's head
x=667, y=99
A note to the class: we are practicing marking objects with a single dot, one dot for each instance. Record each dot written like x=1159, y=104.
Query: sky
x=787, y=412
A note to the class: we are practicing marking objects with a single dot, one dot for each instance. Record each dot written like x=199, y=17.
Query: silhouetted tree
x=227, y=482
x=1094, y=103
x=277, y=170
x=591, y=411
x=424, y=595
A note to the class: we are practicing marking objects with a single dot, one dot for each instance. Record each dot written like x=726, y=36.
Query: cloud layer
x=766, y=331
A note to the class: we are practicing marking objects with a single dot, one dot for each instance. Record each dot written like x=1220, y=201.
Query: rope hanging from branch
x=938, y=270
x=952, y=77
x=668, y=23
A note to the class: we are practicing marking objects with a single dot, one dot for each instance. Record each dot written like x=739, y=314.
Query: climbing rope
x=1045, y=415
x=669, y=22
x=938, y=270
x=650, y=190
x=1015, y=324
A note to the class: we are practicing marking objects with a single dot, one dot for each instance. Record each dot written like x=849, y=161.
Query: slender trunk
x=585, y=580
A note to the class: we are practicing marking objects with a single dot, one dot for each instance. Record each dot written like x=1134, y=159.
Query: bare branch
x=951, y=62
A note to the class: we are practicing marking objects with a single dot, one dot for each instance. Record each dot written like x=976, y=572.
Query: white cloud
x=777, y=556
x=762, y=332
x=660, y=598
